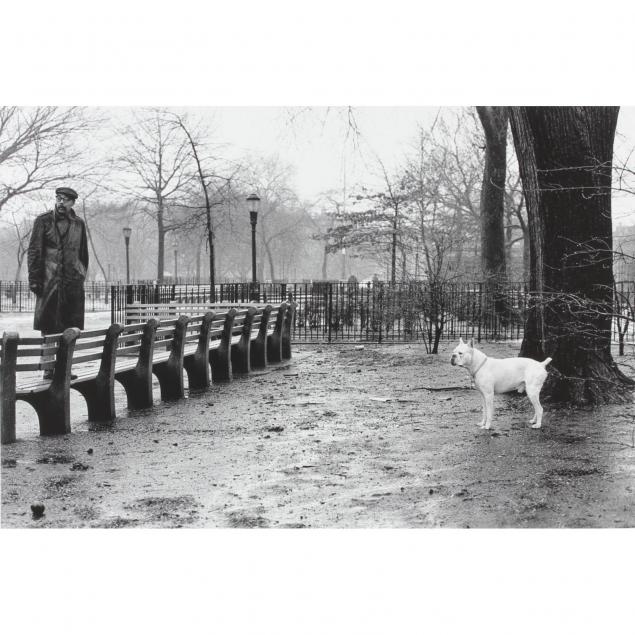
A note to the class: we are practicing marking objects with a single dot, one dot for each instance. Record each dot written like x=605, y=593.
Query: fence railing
x=16, y=297
x=233, y=294
x=381, y=312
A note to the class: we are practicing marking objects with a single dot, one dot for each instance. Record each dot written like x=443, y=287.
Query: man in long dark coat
x=58, y=260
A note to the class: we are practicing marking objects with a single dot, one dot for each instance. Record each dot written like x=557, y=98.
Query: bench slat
x=135, y=326
x=31, y=341
x=33, y=388
x=36, y=352
x=128, y=350
x=82, y=346
x=78, y=359
x=96, y=333
x=135, y=337
x=33, y=367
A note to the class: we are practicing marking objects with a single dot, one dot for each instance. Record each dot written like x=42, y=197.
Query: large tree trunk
x=492, y=207
x=269, y=253
x=161, y=246
x=565, y=159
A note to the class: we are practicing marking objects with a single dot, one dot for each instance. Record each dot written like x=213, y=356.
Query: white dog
x=491, y=375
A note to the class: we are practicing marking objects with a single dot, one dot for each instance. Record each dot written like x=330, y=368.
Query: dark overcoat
x=58, y=260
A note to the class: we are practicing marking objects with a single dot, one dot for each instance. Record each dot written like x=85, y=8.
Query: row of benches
x=209, y=347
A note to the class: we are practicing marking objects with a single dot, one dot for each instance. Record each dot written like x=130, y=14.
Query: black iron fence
x=16, y=297
x=354, y=312
x=380, y=312
x=427, y=312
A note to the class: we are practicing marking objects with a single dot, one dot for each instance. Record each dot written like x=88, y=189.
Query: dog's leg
x=534, y=397
x=489, y=407
x=483, y=421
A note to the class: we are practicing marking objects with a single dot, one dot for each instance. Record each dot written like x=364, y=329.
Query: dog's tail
x=543, y=364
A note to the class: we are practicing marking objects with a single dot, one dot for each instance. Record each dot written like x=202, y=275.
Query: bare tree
x=37, y=149
x=454, y=146
x=157, y=160
x=332, y=209
x=90, y=235
x=215, y=187
x=22, y=229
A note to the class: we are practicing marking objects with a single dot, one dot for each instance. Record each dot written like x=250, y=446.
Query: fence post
x=381, y=311
x=329, y=312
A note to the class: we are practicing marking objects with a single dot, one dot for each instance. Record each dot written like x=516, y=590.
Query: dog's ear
x=461, y=340
x=471, y=342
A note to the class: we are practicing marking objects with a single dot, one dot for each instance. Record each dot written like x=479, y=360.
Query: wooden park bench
x=209, y=347
x=272, y=347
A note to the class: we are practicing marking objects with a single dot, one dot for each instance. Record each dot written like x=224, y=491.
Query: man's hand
x=36, y=288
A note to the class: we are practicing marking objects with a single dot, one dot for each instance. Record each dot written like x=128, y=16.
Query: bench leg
x=221, y=363
x=198, y=373
x=8, y=419
x=240, y=358
x=170, y=380
x=100, y=399
x=274, y=348
x=258, y=353
x=138, y=388
x=286, y=348
x=7, y=386
x=53, y=411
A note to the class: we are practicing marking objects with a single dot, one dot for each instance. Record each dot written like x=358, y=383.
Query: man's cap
x=69, y=192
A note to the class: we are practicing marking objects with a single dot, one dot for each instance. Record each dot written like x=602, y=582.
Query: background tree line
x=453, y=207
x=164, y=174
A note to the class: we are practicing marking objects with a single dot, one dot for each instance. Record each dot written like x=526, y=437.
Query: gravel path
x=344, y=436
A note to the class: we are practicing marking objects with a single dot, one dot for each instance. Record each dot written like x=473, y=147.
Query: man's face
x=63, y=203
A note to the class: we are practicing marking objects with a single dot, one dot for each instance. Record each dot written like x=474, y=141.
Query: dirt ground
x=340, y=436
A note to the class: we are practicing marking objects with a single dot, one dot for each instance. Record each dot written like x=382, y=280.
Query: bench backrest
x=98, y=344
x=136, y=313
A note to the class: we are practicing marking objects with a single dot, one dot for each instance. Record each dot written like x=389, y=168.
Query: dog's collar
x=479, y=366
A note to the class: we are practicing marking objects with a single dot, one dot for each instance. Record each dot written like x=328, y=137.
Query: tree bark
x=565, y=159
x=161, y=236
x=492, y=207
x=270, y=260
x=393, y=261
x=208, y=206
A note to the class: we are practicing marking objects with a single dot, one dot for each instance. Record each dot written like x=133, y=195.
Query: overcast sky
x=317, y=141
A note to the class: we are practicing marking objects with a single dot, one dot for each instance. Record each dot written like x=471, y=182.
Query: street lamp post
x=253, y=201
x=176, y=260
x=127, y=231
